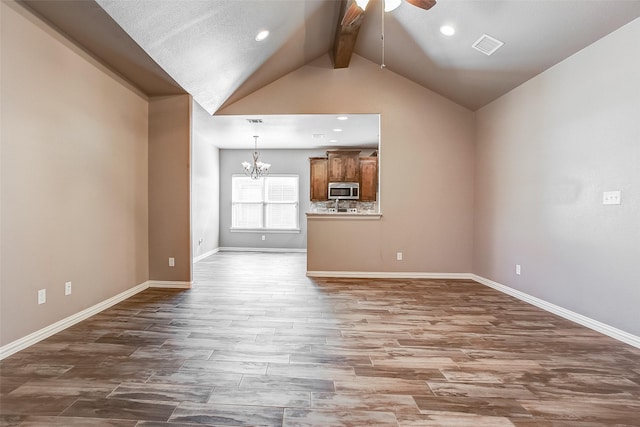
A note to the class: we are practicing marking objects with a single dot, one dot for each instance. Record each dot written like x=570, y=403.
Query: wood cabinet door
x=368, y=179
x=343, y=166
x=336, y=168
x=319, y=179
x=351, y=168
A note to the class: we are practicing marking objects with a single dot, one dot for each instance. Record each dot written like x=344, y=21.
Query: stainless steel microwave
x=344, y=190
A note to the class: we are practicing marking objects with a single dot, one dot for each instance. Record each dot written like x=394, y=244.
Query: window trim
x=265, y=230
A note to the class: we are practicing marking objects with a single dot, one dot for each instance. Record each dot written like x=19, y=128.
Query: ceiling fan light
x=362, y=4
x=390, y=5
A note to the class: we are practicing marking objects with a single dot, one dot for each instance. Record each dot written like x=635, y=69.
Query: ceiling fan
x=390, y=5
x=357, y=8
x=349, y=25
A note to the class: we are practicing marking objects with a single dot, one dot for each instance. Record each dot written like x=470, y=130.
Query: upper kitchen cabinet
x=368, y=179
x=318, y=179
x=344, y=166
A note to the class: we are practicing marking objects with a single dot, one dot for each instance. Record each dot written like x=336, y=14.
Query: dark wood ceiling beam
x=423, y=4
x=349, y=22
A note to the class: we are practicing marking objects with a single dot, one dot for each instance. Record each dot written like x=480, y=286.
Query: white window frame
x=265, y=204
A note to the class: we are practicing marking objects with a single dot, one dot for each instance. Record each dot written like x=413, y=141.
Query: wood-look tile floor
x=256, y=343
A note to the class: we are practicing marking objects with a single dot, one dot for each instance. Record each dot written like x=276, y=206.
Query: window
x=268, y=203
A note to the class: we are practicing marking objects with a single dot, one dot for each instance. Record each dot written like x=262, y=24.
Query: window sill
x=265, y=230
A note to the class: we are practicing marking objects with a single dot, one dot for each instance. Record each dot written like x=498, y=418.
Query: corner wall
x=546, y=151
x=74, y=178
x=169, y=188
x=426, y=168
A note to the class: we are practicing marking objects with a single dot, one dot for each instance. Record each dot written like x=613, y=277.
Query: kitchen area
x=343, y=183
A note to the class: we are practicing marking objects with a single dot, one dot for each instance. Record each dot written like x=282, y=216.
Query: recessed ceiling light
x=343, y=118
x=447, y=30
x=337, y=130
x=333, y=140
x=262, y=35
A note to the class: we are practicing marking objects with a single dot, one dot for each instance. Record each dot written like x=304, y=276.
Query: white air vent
x=317, y=135
x=254, y=120
x=487, y=44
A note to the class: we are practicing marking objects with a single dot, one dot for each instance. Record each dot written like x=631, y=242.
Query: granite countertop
x=344, y=215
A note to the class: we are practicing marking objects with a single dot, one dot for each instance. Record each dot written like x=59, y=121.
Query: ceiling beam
x=423, y=4
x=349, y=22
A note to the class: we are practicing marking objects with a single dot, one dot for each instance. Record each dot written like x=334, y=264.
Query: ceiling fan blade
x=423, y=4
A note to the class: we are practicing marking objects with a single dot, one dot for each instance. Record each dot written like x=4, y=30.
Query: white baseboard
x=388, y=275
x=206, y=254
x=169, y=284
x=37, y=336
x=279, y=250
x=603, y=328
x=595, y=325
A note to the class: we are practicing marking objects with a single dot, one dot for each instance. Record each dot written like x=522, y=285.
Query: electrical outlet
x=518, y=269
x=398, y=256
x=611, y=197
x=172, y=262
x=42, y=296
x=264, y=237
x=67, y=288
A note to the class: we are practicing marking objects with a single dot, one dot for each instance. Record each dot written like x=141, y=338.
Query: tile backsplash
x=343, y=205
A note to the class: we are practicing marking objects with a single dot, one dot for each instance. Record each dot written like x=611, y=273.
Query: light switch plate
x=611, y=197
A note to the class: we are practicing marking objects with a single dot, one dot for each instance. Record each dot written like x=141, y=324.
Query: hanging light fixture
x=256, y=169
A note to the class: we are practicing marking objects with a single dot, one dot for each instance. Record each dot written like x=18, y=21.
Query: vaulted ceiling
x=208, y=48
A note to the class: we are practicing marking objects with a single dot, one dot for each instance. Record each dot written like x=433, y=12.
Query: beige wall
x=546, y=152
x=169, y=188
x=74, y=179
x=426, y=163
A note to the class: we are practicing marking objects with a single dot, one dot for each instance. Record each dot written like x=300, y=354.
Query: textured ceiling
x=207, y=48
x=536, y=33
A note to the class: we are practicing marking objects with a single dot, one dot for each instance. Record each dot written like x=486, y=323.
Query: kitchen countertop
x=342, y=215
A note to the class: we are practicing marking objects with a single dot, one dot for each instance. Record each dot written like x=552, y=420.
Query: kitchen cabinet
x=319, y=178
x=368, y=178
x=344, y=166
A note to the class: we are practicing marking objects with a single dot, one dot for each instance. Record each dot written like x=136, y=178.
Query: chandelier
x=256, y=169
